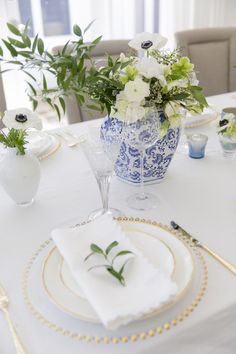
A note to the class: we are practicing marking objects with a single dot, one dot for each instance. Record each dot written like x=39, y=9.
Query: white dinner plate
x=161, y=247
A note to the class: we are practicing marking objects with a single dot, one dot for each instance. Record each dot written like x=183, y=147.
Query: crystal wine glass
x=141, y=135
x=101, y=157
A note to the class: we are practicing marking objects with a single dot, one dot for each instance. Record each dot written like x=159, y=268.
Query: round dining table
x=199, y=194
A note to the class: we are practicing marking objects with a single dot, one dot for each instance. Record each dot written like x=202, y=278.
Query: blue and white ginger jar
x=156, y=158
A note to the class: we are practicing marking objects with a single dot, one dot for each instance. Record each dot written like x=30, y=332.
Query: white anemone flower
x=136, y=91
x=149, y=67
x=146, y=40
x=21, y=118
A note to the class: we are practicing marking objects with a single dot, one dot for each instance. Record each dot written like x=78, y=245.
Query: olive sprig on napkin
x=109, y=266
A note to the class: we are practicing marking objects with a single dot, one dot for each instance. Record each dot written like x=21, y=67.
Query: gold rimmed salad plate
x=163, y=250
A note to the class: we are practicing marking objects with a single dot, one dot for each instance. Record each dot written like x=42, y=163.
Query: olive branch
x=109, y=266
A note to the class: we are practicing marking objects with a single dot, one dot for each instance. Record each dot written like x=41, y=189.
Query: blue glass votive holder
x=196, y=145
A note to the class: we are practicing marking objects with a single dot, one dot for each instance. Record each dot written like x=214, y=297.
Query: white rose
x=149, y=67
x=136, y=91
x=21, y=118
x=145, y=41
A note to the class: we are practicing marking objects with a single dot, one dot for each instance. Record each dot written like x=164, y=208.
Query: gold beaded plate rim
x=131, y=338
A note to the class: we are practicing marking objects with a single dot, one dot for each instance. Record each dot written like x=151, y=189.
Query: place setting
x=163, y=280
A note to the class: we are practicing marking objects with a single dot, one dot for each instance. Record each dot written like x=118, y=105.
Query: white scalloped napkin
x=146, y=286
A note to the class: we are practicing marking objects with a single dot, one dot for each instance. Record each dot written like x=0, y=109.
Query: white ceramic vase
x=20, y=176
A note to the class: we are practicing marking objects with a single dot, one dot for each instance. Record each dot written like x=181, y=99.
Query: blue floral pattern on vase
x=156, y=158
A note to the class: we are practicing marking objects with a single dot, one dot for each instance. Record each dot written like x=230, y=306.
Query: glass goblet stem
x=104, y=186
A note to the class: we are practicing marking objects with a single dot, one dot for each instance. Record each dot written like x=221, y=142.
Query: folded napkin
x=146, y=286
x=208, y=115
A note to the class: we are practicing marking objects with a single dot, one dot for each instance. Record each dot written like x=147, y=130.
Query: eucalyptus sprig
x=67, y=65
x=109, y=266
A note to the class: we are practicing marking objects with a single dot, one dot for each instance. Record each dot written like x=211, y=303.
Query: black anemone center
x=223, y=122
x=146, y=44
x=21, y=118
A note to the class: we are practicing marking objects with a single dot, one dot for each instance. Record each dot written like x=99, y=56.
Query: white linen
x=146, y=286
x=198, y=194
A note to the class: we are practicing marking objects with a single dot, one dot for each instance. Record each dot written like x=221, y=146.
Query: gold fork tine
x=4, y=303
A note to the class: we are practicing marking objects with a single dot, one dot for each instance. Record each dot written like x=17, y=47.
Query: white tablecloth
x=199, y=194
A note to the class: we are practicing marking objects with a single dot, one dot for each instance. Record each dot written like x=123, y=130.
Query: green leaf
x=1, y=52
x=95, y=248
x=5, y=71
x=30, y=75
x=89, y=25
x=16, y=43
x=110, y=61
x=93, y=107
x=89, y=255
x=13, y=29
x=35, y=104
x=40, y=46
x=25, y=54
x=198, y=95
x=63, y=105
x=57, y=110
x=35, y=42
x=77, y=30
x=112, y=245
x=45, y=86
x=98, y=266
x=10, y=48
x=32, y=88
x=179, y=96
x=117, y=275
x=27, y=26
x=123, y=267
x=123, y=253
x=49, y=55
x=64, y=48
x=26, y=40
x=15, y=62
x=97, y=40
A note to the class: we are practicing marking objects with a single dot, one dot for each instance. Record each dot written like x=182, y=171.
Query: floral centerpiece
x=127, y=88
x=132, y=85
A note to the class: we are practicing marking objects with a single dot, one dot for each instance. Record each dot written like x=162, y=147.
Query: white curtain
x=179, y=15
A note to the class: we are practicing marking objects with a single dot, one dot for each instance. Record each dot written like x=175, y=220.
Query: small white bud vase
x=20, y=176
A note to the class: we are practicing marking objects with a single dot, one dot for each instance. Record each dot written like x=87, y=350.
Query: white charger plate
x=158, y=245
